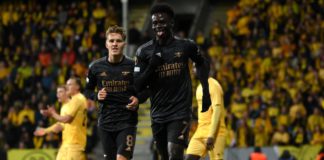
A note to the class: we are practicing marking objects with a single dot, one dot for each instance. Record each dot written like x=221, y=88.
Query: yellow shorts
x=197, y=146
x=66, y=153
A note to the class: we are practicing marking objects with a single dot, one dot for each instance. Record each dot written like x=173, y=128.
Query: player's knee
x=121, y=157
x=175, y=151
x=192, y=157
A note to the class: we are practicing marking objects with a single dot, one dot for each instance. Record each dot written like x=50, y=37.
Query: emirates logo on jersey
x=125, y=73
x=103, y=74
x=178, y=54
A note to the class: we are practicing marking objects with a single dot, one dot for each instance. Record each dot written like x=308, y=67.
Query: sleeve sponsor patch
x=137, y=69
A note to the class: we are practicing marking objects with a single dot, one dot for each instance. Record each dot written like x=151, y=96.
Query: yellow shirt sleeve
x=217, y=101
x=72, y=108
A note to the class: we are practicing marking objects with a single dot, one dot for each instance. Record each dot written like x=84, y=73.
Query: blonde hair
x=116, y=29
x=62, y=86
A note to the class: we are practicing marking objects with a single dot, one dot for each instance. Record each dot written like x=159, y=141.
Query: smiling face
x=162, y=26
x=115, y=44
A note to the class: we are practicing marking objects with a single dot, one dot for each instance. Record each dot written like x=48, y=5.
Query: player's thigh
x=218, y=152
x=76, y=155
x=126, y=142
x=178, y=132
x=160, y=138
x=197, y=147
x=108, y=141
x=159, y=132
x=62, y=154
x=67, y=153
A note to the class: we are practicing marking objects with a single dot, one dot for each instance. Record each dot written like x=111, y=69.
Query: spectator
x=317, y=137
x=286, y=156
x=280, y=137
x=257, y=154
x=315, y=119
x=299, y=136
x=44, y=57
x=28, y=113
x=68, y=56
x=320, y=155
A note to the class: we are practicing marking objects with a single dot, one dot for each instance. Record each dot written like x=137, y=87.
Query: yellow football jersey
x=205, y=118
x=74, y=133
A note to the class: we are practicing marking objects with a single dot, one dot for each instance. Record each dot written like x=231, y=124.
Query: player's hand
x=40, y=132
x=210, y=143
x=51, y=110
x=156, y=58
x=206, y=102
x=102, y=94
x=133, y=105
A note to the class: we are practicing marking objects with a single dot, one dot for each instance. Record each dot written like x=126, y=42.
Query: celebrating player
x=162, y=66
x=112, y=75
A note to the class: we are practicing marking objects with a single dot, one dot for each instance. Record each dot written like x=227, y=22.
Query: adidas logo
x=158, y=54
x=103, y=74
x=178, y=54
x=181, y=137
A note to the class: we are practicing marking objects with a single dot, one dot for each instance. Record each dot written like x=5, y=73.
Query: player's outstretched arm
x=213, y=126
x=59, y=118
x=203, y=71
x=202, y=68
x=90, y=85
x=217, y=102
x=55, y=128
x=143, y=95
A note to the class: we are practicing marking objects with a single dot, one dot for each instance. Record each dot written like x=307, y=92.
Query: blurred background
x=268, y=56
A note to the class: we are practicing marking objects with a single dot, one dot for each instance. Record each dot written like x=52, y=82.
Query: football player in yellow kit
x=210, y=135
x=72, y=121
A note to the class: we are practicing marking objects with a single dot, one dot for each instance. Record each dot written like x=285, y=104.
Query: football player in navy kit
x=162, y=66
x=112, y=75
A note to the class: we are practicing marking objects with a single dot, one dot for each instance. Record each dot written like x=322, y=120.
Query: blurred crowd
x=42, y=44
x=269, y=58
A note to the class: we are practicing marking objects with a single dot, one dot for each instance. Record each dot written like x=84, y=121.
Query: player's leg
x=126, y=143
x=178, y=132
x=176, y=151
x=218, y=152
x=160, y=140
x=108, y=144
x=61, y=153
x=196, y=149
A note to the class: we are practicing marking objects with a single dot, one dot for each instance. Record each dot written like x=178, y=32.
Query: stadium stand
x=269, y=58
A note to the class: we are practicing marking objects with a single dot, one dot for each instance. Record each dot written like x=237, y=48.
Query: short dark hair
x=116, y=29
x=257, y=149
x=163, y=8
